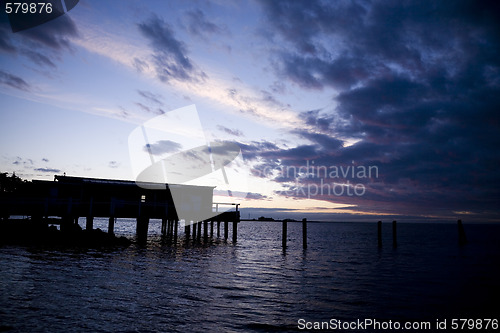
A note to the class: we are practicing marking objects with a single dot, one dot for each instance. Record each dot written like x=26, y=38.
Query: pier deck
x=70, y=198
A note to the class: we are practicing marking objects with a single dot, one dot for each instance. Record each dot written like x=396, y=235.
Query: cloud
x=317, y=120
x=256, y=196
x=162, y=147
x=234, y=132
x=42, y=45
x=199, y=25
x=151, y=97
x=416, y=86
x=39, y=59
x=6, y=44
x=140, y=65
x=189, y=80
x=55, y=34
x=170, y=56
x=143, y=107
x=48, y=170
x=14, y=81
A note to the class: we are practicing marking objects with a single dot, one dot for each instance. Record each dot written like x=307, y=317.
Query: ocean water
x=253, y=285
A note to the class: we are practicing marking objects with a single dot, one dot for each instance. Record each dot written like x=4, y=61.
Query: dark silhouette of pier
x=66, y=199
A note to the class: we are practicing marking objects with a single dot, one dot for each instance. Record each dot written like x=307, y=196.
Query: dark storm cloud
x=13, y=81
x=315, y=73
x=170, y=54
x=323, y=141
x=316, y=119
x=417, y=83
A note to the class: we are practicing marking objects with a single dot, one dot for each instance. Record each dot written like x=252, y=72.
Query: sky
x=343, y=110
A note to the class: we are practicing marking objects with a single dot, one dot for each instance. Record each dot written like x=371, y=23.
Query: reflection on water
x=253, y=285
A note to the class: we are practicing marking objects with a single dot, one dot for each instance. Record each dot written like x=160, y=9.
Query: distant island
x=267, y=219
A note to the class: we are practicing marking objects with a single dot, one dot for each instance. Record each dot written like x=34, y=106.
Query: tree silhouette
x=10, y=183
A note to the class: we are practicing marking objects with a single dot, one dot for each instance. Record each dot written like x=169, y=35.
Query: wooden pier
x=67, y=199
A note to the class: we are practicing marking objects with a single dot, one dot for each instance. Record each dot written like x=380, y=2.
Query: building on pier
x=70, y=198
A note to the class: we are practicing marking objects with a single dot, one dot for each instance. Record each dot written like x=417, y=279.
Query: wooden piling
x=235, y=231
x=205, y=231
x=69, y=207
x=163, y=226
x=218, y=229
x=142, y=227
x=89, y=224
x=304, y=233
x=226, y=229
x=170, y=227
x=212, y=229
x=199, y=230
x=66, y=222
x=462, y=239
x=194, y=231
x=176, y=226
x=111, y=221
x=379, y=233
x=187, y=230
x=394, y=234
x=111, y=225
x=283, y=237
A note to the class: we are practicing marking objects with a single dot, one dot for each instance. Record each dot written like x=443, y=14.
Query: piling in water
x=205, y=231
x=163, y=226
x=235, y=231
x=111, y=225
x=304, y=233
x=462, y=239
x=283, y=238
x=394, y=234
x=89, y=225
x=142, y=227
x=379, y=232
x=176, y=225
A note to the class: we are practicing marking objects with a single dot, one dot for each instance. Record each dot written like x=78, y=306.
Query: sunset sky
x=411, y=89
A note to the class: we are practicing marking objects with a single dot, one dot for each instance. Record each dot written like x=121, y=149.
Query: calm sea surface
x=253, y=286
